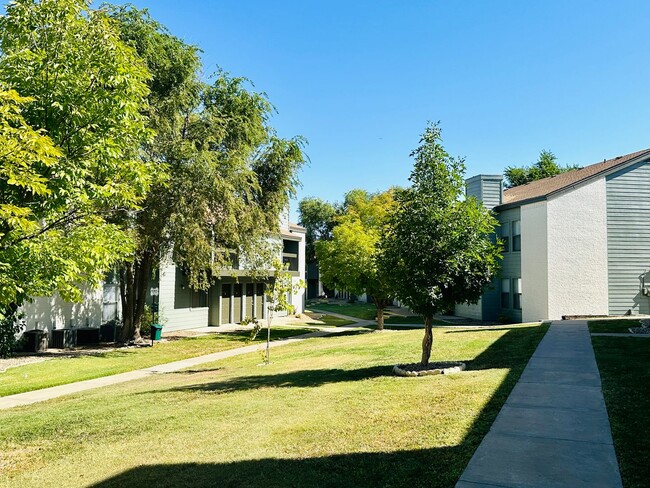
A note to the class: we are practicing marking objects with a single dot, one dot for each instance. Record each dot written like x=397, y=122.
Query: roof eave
x=603, y=173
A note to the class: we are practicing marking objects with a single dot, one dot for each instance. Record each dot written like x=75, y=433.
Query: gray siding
x=628, y=238
x=491, y=301
x=489, y=190
x=486, y=188
x=510, y=267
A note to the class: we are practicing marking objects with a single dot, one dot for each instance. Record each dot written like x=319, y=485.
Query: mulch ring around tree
x=416, y=369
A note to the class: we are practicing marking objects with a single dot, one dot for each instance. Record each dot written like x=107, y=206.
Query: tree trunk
x=134, y=279
x=427, y=341
x=380, y=315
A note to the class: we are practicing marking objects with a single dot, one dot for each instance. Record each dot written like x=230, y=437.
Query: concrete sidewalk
x=43, y=394
x=553, y=431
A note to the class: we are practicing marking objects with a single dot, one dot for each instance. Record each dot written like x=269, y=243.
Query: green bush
x=9, y=329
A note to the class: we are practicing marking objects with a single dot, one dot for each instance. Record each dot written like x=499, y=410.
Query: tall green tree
x=438, y=250
x=317, y=216
x=224, y=174
x=545, y=167
x=73, y=103
x=349, y=260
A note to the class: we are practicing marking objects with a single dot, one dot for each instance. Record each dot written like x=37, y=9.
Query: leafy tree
x=545, y=167
x=317, y=216
x=224, y=175
x=71, y=122
x=277, y=294
x=438, y=250
x=349, y=259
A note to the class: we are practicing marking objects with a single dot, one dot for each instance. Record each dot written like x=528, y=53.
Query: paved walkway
x=553, y=431
x=43, y=394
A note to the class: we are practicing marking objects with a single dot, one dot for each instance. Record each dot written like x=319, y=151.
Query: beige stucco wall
x=534, y=262
x=577, y=251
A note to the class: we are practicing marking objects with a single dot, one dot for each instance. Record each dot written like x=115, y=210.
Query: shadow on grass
x=435, y=467
x=396, y=469
x=294, y=379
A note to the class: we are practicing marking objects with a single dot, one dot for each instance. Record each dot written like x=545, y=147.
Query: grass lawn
x=613, y=325
x=326, y=412
x=624, y=365
x=329, y=321
x=410, y=319
x=364, y=311
x=68, y=370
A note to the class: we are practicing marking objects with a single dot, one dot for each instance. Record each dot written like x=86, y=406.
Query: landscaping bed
x=325, y=412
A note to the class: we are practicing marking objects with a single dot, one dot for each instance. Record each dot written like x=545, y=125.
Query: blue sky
x=360, y=79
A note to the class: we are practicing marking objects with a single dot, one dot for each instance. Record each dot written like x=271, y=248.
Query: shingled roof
x=542, y=188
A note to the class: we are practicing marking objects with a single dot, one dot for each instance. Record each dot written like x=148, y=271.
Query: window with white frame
x=516, y=293
x=504, y=234
x=516, y=235
x=505, y=293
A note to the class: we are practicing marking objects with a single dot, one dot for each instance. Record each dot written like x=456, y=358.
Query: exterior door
x=226, y=304
x=250, y=297
x=237, y=303
x=260, y=313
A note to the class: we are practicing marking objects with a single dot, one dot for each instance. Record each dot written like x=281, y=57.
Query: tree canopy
x=317, y=216
x=438, y=250
x=72, y=120
x=545, y=167
x=224, y=176
x=349, y=259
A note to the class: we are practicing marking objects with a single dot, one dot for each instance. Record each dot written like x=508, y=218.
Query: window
x=290, y=252
x=516, y=235
x=505, y=236
x=516, y=293
x=505, y=293
x=199, y=298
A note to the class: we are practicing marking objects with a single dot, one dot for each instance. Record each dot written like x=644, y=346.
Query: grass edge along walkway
x=55, y=371
x=246, y=408
x=43, y=394
x=553, y=429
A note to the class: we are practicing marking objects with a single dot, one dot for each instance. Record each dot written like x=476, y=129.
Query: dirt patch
x=5, y=364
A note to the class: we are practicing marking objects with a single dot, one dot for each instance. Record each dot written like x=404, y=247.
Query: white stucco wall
x=577, y=251
x=534, y=262
x=299, y=298
x=48, y=313
x=179, y=318
x=469, y=310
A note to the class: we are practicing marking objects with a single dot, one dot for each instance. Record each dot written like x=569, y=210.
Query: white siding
x=577, y=251
x=179, y=318
x=534, y=262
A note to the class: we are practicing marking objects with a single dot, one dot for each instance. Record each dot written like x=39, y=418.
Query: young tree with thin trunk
x=439, y=248
x=277, y=294
x=349, y=259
